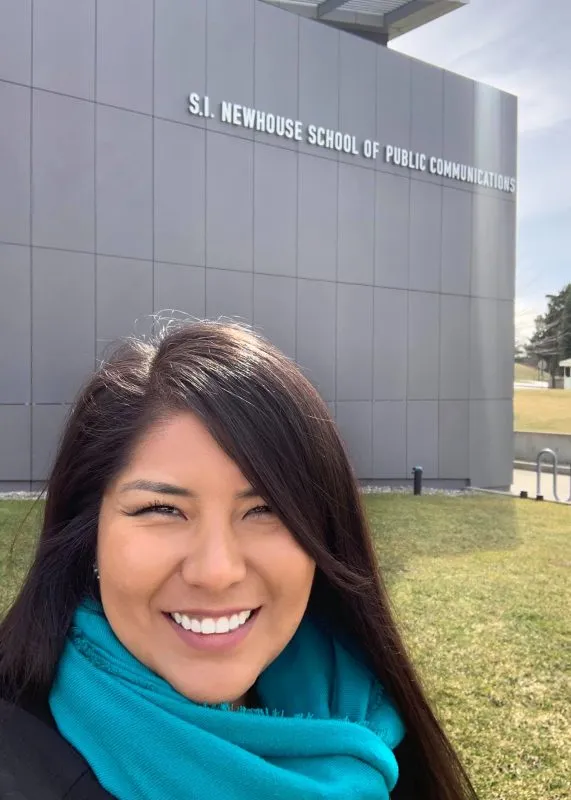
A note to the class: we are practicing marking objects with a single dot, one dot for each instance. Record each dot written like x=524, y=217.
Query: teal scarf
x=326, y=730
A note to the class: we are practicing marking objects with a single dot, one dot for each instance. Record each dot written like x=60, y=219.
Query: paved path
x=523, y=479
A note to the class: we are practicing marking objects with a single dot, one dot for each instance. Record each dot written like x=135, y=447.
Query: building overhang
x=378, y=20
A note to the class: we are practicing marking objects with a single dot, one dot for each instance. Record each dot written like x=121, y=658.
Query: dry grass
x=523, y=372
x=481, y=587
x=545, y=410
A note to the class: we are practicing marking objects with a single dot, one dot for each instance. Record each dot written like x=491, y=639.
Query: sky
x=523, y=47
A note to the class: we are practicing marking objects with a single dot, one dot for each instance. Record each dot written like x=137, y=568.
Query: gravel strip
x=467, y=492
x=364, y=490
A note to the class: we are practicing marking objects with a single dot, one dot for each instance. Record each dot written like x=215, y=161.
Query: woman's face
x=185, y=547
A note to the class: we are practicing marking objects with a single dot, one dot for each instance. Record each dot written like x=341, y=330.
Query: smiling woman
x=205, y=589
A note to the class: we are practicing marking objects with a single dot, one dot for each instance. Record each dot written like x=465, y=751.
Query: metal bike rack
x=543, y=454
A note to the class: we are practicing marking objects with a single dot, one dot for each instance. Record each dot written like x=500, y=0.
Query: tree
x=551, y=341
x=566, y=326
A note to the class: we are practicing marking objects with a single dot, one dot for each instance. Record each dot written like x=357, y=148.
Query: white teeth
x=222, y=625
x=208, y=626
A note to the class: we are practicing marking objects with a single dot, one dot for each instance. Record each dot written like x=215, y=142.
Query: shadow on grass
x=405, y=527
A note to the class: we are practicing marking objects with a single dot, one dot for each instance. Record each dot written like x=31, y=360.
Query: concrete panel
x=63, y=323
x=317, y=218
x=15, y=164
x=316, y=326
x=483, y=349
x=486, y=238
x=425, y=236
x=15, y=442
x=355, y=425
x=354, y=342
x=456, y=241
x=180, y=57
x=180, y=289
x=229, y=202
x=488, y=127
x=422, y=437
x=509, y=135
x=356, y=221
x=47, y=427
x=318, y=94
x=455, y=348
x=459, y=128
x=16, y=41
x=15, y=324
x=275, y=310
x=357, y=91
x=275, y=210
x=125, y=73
x=230, y=294
x=392, y=217
x=389, y=440
x=491, y=443
x=453, y=426
x=276, y=67
x=505, y=348
x=63, y=178
x=124, y=179
x=390, y=344
x=507, y=250
x=180, y=193
x=64, y=47
x=393, y=102
x=423, y=345
x=230, y=58
x=427, y=105
x=124, y=298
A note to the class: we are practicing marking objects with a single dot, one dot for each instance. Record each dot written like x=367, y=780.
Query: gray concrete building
x=274, y=162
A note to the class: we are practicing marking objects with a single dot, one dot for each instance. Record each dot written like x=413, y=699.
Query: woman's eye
x=259, y=511
x=156, y=508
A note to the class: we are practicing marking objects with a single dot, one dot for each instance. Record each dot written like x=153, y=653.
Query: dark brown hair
x=271, y=421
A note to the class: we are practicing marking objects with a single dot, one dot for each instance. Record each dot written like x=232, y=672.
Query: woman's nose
x=216, y=562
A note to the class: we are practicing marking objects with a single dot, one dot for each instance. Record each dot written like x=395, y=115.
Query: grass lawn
x=546, y=410
x=480, y=586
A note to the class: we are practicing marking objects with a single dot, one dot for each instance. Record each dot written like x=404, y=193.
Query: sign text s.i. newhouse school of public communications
x=330, y=139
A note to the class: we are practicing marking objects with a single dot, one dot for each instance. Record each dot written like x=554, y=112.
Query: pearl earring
x=96, y=571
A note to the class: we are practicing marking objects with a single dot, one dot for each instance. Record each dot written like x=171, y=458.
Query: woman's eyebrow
x=180, y=491
x=156, y=486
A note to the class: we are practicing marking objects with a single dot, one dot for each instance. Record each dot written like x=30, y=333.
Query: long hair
x=270, y=420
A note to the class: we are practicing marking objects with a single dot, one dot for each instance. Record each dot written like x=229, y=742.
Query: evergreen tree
x=551, y=341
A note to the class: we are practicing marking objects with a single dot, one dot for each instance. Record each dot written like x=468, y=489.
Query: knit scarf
x=326, y=728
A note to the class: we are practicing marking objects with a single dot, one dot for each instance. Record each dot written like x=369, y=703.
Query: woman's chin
x=236, y=697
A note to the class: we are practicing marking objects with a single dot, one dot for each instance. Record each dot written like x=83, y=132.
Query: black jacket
x=37, y=763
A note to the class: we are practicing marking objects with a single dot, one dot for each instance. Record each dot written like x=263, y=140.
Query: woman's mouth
x=213, y=632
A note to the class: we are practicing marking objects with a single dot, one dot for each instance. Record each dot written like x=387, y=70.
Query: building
x=230, y=157
x=566, y=369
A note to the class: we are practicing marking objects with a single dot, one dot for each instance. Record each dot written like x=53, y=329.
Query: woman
x=204, y=616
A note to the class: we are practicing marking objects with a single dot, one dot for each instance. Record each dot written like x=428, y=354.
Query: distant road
x=531, y=384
